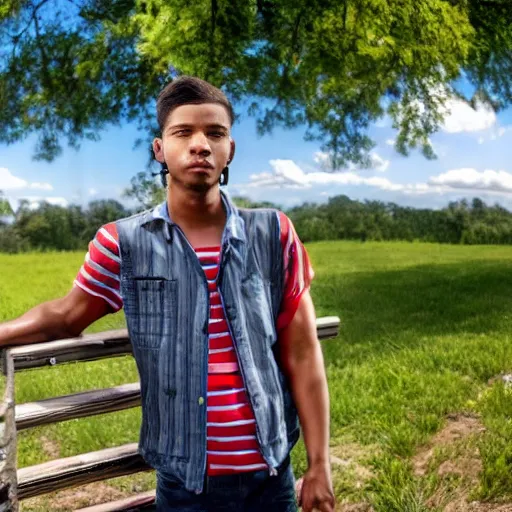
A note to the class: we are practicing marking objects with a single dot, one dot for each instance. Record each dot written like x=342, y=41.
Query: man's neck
x=195, y=210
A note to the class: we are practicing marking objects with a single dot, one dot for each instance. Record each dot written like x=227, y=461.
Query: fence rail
x=79, y=405
x=88, y=348
x=79, y=470
x=85, y=468
x=8, y=495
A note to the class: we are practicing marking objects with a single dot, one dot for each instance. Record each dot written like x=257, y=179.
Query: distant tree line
x=461, y=222
x=51, y=227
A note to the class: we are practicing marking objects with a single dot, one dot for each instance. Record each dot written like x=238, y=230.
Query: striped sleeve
x=99, y=275
x=298, y=271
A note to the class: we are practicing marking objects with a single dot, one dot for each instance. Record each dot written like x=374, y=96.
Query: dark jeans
x=245, y=492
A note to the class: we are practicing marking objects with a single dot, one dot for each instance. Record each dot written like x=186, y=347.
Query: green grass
x=423, y=329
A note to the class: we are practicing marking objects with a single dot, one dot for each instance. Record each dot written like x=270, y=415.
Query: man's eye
x=182, y=132
x=216, y=134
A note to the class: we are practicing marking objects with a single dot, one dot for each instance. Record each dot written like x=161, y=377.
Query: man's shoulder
x=262, y=224
x=270, y=217
x=259, y=213
x=140, y=217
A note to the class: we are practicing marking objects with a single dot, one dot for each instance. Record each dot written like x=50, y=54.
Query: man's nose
x=199, y=145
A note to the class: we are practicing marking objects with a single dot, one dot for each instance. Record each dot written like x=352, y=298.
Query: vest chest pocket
x=154, y=315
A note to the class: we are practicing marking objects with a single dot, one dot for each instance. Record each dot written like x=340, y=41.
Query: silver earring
x=224, y=176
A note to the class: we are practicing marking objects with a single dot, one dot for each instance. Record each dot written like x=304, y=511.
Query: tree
x=48, y=227
x=99, y=213
x=5, y=207
x=146, y=190
x=244, y=202
x=71, y=67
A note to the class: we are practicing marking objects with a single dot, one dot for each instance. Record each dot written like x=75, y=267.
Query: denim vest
x=166, y=303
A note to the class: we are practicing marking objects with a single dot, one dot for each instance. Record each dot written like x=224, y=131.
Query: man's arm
x=62, y=318
x=302, y=362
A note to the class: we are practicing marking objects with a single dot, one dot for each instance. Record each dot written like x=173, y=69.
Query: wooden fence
x=18, y=484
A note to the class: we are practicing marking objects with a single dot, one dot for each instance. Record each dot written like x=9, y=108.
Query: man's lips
x=200, y=165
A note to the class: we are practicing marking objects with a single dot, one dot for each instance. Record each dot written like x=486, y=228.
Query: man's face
x=196, y=145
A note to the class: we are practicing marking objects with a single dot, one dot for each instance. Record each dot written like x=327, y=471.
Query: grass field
x=421, y=418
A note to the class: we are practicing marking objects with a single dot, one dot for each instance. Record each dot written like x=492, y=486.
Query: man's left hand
x=314, y=490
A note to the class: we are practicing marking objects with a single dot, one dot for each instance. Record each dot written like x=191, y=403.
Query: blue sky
x=474, y=151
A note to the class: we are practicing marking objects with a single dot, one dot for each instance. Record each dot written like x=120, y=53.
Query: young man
x=222, y=324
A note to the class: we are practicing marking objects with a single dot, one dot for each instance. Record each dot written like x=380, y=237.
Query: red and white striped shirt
x=231, y=427
x=232, y=446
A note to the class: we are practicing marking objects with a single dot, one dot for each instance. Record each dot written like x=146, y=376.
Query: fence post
x=8, y=480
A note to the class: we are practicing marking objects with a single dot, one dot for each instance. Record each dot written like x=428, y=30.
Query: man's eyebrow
x=178, y=126
x=218, y=127
x=186, y=126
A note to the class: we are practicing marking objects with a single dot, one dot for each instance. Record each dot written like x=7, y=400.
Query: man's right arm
x=66, y=317
x=95, y=294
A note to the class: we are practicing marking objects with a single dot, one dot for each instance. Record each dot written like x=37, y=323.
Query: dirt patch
x=458, y=429
x=464, y=506
x=453, y=454
x=352, y=456
x=71, y=499
x=350, y=472
x=50, y=448
x=354, y=507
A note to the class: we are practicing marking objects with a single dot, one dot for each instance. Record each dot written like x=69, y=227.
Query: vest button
x=201, y=400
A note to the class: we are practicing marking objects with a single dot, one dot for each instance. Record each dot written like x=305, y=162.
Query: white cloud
x=41, y=186
x=10, y=182
x=461, y=117
x=467, y=178
x=92, y=191
x=287, y=174
x=321, y=158
x=378, y=163
x=323, y=161
x=35, y=201
x=390, y=142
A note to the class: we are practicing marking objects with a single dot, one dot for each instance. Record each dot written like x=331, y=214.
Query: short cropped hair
x=189, y=90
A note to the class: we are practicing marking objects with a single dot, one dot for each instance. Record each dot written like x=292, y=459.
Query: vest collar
x=234, y=228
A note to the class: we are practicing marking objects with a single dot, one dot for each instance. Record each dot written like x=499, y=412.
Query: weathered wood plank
x=8, y=493
x=327, y=321
x=107, y=344
x=327, y=327
x=79, y=405
x=89, y=347
x=137, y=502
x=327, y=332
x=79, y=470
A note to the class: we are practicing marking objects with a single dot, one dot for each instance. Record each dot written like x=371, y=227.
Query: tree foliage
x=56, y=228
x=5, y=207
x=52, y=227
x=71, y=67
x=461, y=222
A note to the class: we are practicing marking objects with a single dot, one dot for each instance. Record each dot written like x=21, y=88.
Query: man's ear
x=158, y=150
x=232, y=151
